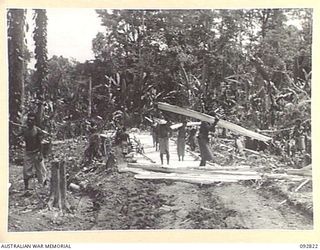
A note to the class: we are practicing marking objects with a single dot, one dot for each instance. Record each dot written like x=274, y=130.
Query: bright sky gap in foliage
x=70, y=32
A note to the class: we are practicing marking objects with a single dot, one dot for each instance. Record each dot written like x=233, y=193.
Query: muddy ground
x=109, y=200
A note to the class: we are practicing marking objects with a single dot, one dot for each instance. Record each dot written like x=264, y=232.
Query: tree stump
x=58, y=187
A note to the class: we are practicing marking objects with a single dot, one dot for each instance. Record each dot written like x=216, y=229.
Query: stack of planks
x=200, y=175
x=206, y=175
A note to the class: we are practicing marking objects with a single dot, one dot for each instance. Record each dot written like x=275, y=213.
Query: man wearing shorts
x=33, y=159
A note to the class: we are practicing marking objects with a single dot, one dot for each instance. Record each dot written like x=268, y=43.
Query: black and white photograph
x=159, y=119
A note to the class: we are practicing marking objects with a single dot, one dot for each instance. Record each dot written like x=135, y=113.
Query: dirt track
x=115, y=200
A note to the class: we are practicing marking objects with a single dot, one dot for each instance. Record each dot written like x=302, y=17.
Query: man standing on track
x=192, y=138
x=181, y=141
x=164, y=133
x=203, y=139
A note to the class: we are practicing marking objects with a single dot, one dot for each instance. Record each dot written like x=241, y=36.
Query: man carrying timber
x=192, y=138
x=33, y=159
x=203, y=140
x=164, y=133
x=181, y=141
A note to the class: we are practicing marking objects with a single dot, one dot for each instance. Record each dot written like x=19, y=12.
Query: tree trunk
x=16, y=65
x=63, y=185
x=267, y=93
x=90, y=97
x=40, y=39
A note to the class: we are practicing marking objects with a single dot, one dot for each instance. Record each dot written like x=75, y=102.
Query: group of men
x=34, y=163
x=161, y=132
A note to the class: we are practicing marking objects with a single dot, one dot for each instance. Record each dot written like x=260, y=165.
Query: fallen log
x=221, y=123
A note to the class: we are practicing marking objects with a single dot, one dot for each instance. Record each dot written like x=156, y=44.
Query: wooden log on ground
x=204, y=117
